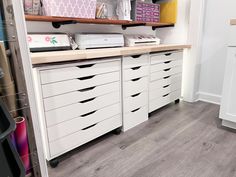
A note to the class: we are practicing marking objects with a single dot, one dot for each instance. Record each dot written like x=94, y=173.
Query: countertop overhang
x=73, y=55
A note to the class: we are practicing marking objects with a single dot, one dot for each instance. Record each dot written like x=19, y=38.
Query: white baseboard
x=229, y=124
x=210, y=98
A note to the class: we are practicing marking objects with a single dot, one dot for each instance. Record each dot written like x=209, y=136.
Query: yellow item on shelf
x=169, y=11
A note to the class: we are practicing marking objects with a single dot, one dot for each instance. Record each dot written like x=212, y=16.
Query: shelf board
x=68, y=20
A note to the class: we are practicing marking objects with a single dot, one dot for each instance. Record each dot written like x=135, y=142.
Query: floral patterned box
x=70, y=8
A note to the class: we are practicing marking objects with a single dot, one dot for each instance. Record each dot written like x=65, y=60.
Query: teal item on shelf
x=2, y=36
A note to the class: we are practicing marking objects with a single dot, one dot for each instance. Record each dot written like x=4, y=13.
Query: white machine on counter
x=48, y=42
x=91, y=41
x=141, y=40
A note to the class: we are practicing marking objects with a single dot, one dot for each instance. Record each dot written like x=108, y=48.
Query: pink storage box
x=70, y=8
x=146, y=12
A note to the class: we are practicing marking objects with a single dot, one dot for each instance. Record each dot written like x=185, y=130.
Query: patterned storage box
x=70, y=8
x=146, y=12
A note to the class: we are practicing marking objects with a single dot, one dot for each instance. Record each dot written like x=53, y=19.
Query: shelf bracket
x=156, y=27
x=124, y=27
x=58, y=24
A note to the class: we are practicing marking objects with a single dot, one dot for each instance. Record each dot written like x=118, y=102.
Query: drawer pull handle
x=135, y=95
x=137, y=79
x=166, y=86
x=86, y=101
x=87, y=89
x=168, y=54
x=136, y=110
x=136, y=68
x=167, y=69
x=86, y=78
x=136, y=56
x=166, y=95
x=166, y=77
x=90, y=113
x=86, y=66
x=166, y=62
x=89, y=127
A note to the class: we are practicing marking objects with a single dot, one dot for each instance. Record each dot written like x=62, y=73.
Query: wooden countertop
x=72, y=55
x=233, y=22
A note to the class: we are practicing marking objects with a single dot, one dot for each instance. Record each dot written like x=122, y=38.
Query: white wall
x=214, y=48
x=179, y=33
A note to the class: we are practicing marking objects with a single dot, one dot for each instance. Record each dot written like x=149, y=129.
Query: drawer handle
x=136, y=110
x=87, y=89
x=135, y=95
x=136, y=56
x=137, y=79
x=90, y=113
x=85, y=66
x=166, y=86
x=136, y=68
x=166, y=77
x=168, y=54
x=166, y=62
x=86, y=78
x=89, y=127
x=86, y=101
x=167, y=69
x=165, y=95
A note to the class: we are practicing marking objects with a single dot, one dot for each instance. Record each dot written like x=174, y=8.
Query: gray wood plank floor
x=184, y=140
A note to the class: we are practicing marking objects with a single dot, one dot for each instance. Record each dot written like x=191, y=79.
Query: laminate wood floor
x=184, y=140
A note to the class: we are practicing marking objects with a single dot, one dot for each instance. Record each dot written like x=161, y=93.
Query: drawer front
x=165, y=73
x=165, y=82
x=69, y=127
x=135, y=117
x=83, y=136
x=80, y=95
x=135, y=86
x=78, y=84
x=166, y=56
x=135, y=61
x=62, y=74
x=135, y=101
x=166, y=65
x=153, y=94
x=164, y=100
x=72, y=111
x=135, y=72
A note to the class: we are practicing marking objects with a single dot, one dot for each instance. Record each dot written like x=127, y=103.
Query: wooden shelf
x=58, y=21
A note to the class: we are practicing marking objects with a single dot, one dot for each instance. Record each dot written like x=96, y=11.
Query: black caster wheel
x=54, y=163
x=177, y=101
x=117, y=131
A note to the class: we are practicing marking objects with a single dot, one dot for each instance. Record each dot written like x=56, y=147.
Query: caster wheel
x=177, y=101
x=117, y=131
x=53, y=163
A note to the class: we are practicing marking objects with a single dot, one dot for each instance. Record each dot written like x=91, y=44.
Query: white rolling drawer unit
x=135, y=71
x=78, y=102
x=165, y=79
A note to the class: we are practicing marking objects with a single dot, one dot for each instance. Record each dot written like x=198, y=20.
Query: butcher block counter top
x=72, y=55
x=233, y=22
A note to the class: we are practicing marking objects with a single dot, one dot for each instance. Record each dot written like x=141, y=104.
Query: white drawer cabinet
x=165, y=79
x=81, y=101
x=67, y=86
x=135, y=71
x=83, y=136
x=78, y=71
x=228, y=103
x=75, y=103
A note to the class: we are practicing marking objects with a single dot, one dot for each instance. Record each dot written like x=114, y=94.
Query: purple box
x=70, y=8
x=146, y=12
